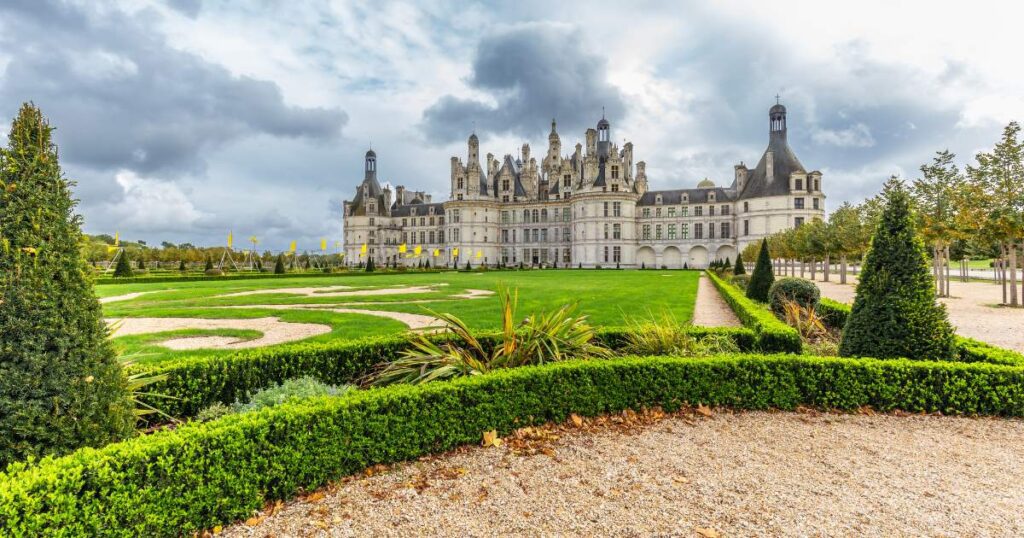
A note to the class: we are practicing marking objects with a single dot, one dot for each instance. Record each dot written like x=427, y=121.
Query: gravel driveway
x=744, y=474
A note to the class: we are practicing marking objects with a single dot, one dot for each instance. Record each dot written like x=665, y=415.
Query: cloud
x=150, y=205
x=525, y=75
x=855, y=136
x=189, y=8
x=123, y=98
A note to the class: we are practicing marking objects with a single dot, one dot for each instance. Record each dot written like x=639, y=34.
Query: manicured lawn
x=606, y=296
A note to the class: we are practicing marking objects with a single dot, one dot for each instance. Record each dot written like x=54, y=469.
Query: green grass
x=608, y=297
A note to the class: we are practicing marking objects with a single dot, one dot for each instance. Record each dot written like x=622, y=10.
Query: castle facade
x=589, y=208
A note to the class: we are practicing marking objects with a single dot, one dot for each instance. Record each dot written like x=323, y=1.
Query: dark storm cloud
x=189, y=8
x=121, y=97
x=533, y=73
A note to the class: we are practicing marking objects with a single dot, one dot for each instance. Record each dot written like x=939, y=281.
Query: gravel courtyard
x=710, y=474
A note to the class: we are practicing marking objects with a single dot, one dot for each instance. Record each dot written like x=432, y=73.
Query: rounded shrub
x=741, y=281
x=789, y=289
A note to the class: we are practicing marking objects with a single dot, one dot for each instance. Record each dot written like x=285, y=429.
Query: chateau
x=591, y=208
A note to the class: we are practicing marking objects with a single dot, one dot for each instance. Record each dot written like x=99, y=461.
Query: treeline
x=974, y=213
x=98, y=250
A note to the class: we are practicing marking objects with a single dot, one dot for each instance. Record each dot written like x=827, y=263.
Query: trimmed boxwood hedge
x=194, y=383
x=834, y=314
x=772, y=334
x=203, y=474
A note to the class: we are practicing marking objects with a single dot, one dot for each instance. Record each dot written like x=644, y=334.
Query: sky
x=183, y=119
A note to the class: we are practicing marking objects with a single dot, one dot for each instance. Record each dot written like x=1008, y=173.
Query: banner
x=323, y=245
x=292, y=248
x=402, y=248
x=418, y=250
x=231, y=239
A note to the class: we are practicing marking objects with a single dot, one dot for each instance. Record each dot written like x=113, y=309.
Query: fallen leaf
x=315, y=496
x=491, y=439
x=704, y=410
x=681, y=479
x=218, y=529
x=708, y=533
x=253, y=521
x=576, y=420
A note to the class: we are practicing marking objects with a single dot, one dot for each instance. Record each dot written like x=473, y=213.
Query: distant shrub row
x=180, y=481
x=240, y=276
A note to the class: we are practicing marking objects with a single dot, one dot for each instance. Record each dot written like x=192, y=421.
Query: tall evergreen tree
x=739, y=269
x=279, y=265
x=209, y=264
x=61, y=386
x=142, y=263
x=369, y=265
x=895, y=313
x=763, y=277
x=181, y=266
x=123, y=268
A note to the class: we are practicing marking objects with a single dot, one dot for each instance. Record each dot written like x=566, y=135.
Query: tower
x=777, y=122
x=371, y=166
x=603, y=137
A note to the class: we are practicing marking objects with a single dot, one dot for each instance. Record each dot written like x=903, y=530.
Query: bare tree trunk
x=945, y=267
x=1002, y=270
x=935, y=269
x=825, y=270
x=813, y=266
x=1013, y=273
x=803, y=265
x=842, y=269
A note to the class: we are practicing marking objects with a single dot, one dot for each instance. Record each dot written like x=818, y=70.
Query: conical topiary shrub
x=369, y=265
x=123, y=269
x=738, y=269
x=279, y=265
x=181, y=266
x=895, y=313
x=762, y=279
x=61, y=386
x=209, y=264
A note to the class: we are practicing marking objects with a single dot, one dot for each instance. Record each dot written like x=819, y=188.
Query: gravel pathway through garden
x=700, y=474
x=711, y=310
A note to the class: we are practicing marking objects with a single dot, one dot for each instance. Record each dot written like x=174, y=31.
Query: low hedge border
x=834, y=313
x=772, y=334
x=180, y=481
x=254, y=276
x=195, y=383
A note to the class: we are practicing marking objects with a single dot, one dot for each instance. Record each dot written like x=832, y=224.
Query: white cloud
x=857, y=135
x=150, y=205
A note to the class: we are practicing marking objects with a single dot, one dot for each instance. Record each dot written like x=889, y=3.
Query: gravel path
x=973, y=309
x=745, y=474
x=274, y=331
x=711, y=310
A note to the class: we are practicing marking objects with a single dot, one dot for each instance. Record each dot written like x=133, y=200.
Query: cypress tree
x=762, y=278
x=123, y=268
x=61, y=386
x=895, y=313
x=369, y=265
x=181, y=266
x=142, y=263
x=468, y=266
x=279, y=265
x=686, y=265
x=209, y=264
x=739, y=269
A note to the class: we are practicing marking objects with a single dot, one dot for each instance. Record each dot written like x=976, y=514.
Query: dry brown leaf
x=491, y=439
x=576, y=420
x=704, y=410
x=681, y=480
x=315, y=496
x=708, y=533
x=253, y=521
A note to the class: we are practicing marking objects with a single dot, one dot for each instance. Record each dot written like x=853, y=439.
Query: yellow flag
x=402, y=248
x=231, y=239
x=111, y=248
x=117, y=239
x=418, y=250
x=323, y=245
x=455, y=251
x=437, y=252
x=479, y=254
x=362, y=249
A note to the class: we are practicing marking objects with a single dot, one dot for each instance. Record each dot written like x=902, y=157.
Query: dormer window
x=430, y=211
x=412, y=211
x=567, y=181
x=615, y=172
x=799, y=184
x=711, y=197
x=686, y=198
x=460, y=184
x=657, y=199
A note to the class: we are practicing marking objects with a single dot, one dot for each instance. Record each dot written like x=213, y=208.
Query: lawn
x=607, y=297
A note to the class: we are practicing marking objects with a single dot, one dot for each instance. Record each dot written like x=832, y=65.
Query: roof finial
x=776, y=98
x=602, y=112
x=474, y=127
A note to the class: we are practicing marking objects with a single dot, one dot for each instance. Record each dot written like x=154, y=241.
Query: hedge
x=194, y=383
x=772, y=334
x=179, y=481
x=833, y=315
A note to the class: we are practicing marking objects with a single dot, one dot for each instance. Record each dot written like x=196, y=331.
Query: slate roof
x=376, y=193
x=422, y=210
x=785, y=163
x=696, y=196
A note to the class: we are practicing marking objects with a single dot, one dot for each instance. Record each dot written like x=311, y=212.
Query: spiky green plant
x=543, y=337
x=664, y=335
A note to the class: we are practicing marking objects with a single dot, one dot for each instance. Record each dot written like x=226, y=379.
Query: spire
x=370, y=165
x=777, y=120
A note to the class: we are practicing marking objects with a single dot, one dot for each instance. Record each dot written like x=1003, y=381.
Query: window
x=711, y=230
x=513, y=240
x=647, y=212
x=504, y=236
x=440, y=220
x=504, y=184
x=543, y=215
x=684, y=211
x=423, y=221
x=816, y=185
x=799, y=184
x=536, y=235
x=565, y=234
x=371, y=221
x=526, y=215
x=566, y=216
x=606, y=231
x=504, y=217
x=698, y=211
x=814, y=202
x=671, y=231
x=616, y=254
x=405, y=222
x=455, y=215
x=405, y=236
x=615, y=172
x=459, y=183
x=725, y=210
x=646, y=231
x=746, y=207
x=657, y=231
x=698, y=231
x=725, y=230
x=567, y=181
x=606, y=209
x=671, y=212
x=458, y=197
x=544, y=235
x=684, y=230
x=423, y=237
x=657, y=212
x=566, y=256
x=798, y=203
x=798, y=222
x=616, y=209
x=746, y=227
x=616, y=231
x=536, y=216
x=606, y=254
x=431, y=220
x=504, y=198
x=615, y=187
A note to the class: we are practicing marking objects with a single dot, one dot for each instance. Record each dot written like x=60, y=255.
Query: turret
x=777, y=122
x=741, y=176
x=603, y=138
x=371, y=166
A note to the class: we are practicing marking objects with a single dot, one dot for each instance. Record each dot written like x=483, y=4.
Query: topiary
x=739, y=269
x=790, y=289
x=61, y=385
x=685, y=265
x=181, y=266
x=369, y=265
x=279, y=265
x=763, y=277
x=209, y=264
x=895, y=313
x=142, y=263
x=123, y=269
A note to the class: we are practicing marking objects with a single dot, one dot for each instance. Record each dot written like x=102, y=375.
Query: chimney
x=769, y=166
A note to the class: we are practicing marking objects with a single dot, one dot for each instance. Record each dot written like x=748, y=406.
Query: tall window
x=684, y=230
x=536, y=216
x=746, y=207
x=504, y=236
x=647, y=212
x=606, y=254
x=798, y=203
x=543, y=235
x=646, y=231
x=615, y=172
x=814, y=202
x=671, y=231
x=565, y=234
x=671, y=212
x=725, y=230
x=504, y=217
x=698, y=231
x=617, y=209
x=504, y=184
x=606, y=209
x=460, y=183
x=606, y=230
x=543, y=215
x=725, y=210
x=431, y=237
x=698, y=211
x=616, y=231
x=799, y=184
x=536, y=235
x=566, y=216
x=567, y=181
x=684, y=211
x=616, y=254
x=657, y=231
x=746, y=227
x=455, y=215
x=798, y=222
x=711, y=210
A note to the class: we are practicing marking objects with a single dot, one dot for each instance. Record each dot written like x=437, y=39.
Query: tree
x=209, y=264
x=61, y=385
x=846, y=228
x=279, y=265
x=895, y=313
x=369, y=265
x=123, y=269
x=739, y=269
x=935, y=195
x=181, y=266
x=762, y=279
x=142, y=263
